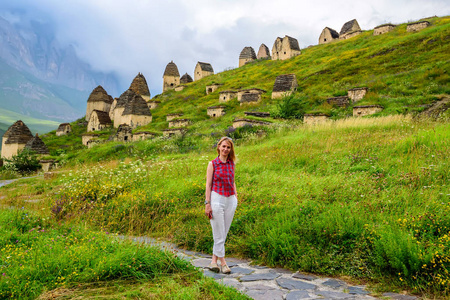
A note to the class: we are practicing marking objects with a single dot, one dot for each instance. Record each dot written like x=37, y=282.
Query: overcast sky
x=131, y=36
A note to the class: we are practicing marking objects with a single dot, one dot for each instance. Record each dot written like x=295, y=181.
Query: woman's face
x=224, y=148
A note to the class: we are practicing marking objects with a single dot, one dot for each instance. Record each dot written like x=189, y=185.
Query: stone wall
x=216, y=111
x=226, y=96
x=9, y=150
x=357, y=94
x=285, y=48
x=170, y=117
x=328, y=35
x=417, y=26
x=173, y=132
x=342, y=101
x=63, y=129
x=170, y=82
x=212, y=88
x=179, y=88
x=95, y=124
x=240, y=93
x=136, y=120
x=383, y=29
x=202, y=70
x=153, y=104
x=364, y=110
x=350, y=35
x=250, y=98
x=143, y=135
x=97, y=105
x=117, y=116
x=86, y=138
x=179, y=123
x=243, y=122
x=312, y=119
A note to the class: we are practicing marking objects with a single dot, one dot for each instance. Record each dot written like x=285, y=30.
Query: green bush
x=24, y=162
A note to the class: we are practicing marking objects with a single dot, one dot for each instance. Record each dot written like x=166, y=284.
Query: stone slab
x=201, y=262
x=231, y=282
x=265, y=295
x=239, y=270
x=260, y=276
x=297, y=295
x=305, y=276
x=294, y=284
x=334, y=295
x=399, y=296
x=214, y=275
x=333, y=283
x=357, y=290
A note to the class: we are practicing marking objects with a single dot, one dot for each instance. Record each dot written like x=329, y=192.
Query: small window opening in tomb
x=93, y=129
x=359, y=112
x=171, y=84
x=324, y=40
x=209, y=90
x=214, y=115
x=125, y=138
x=224, y=98
x=67, y=131
x=284, y=52
x=171, y=134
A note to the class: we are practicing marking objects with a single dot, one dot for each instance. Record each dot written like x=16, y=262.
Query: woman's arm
x=209, y=179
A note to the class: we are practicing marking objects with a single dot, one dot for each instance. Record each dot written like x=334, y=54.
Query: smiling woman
x=221, y=199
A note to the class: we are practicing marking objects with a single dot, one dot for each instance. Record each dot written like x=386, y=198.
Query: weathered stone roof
x=228, y=92
x=139, y=85
x=171, y=70
x=186, y=78
x=18, y=133
x=247, y=52
x=251, y=97
x=257, y=114
x=293, y=43
x=99, y=94
x=368, y=106
x=205, y=66
x=419, y=22
x=285, y=83
x=263, y=52
x=216, y=107
x=349, y=27
x=384, y=25
x=103, y=117
x=37, y=145
x=359, y=89
x=254, y=90
x=334, y=33
x=62, y=126
x=136, y=106
x=175, y=114
x=125, y=98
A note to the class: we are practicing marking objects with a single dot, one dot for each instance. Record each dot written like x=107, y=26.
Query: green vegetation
x=366, y=198
x=39, y=255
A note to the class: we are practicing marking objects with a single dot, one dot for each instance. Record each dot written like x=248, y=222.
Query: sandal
x=213, y=267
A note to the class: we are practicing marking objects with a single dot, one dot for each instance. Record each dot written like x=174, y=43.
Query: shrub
x=25, y=162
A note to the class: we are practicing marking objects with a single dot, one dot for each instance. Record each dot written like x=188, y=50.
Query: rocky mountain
x=41, y=78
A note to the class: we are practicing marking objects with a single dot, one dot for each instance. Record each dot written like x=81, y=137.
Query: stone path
x=262, y=283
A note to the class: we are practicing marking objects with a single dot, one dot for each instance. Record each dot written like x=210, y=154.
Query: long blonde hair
x=231, y=155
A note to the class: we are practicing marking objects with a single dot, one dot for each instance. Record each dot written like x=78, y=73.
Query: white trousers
x=223, y=209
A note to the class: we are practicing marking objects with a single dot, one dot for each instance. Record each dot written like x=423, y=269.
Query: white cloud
x=132, y=36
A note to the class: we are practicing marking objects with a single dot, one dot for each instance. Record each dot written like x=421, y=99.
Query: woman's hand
x=208, y=211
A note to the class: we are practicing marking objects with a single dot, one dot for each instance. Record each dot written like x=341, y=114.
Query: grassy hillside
x=8, y=118
x=362, y=198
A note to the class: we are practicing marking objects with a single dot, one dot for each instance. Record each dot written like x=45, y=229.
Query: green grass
x=39, y=255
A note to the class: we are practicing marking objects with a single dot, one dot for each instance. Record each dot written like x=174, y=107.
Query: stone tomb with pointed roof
x=225, y=96
x=136, y=112
x=313, y=119
x=140, y=87
x=216, y=111
x=124, y=133
x=247, y=54
x=328, y=35
x=99, y=100
x=186, y=78
x=36, y=145
x=349, y=29
x=98, y=121
x=263, y=52
x=202, y=69
x=212, y=88
x=253, y=95
x=381, y=29
x=63, y=129
x=285, y=48
x=118, y=107
x=15, y=139
x=171, y=77
x=357, y=94
x=417, y=26
x=284, y=86
x=365, y=110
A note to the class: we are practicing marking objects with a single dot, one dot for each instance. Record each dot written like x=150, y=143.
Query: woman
x=221, y=200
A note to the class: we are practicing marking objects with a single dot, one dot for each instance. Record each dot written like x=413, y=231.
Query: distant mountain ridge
x=40, y=79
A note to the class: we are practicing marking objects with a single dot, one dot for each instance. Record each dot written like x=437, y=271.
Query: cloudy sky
x=131, y=36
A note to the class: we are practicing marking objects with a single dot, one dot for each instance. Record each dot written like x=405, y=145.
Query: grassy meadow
x=366, y=199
